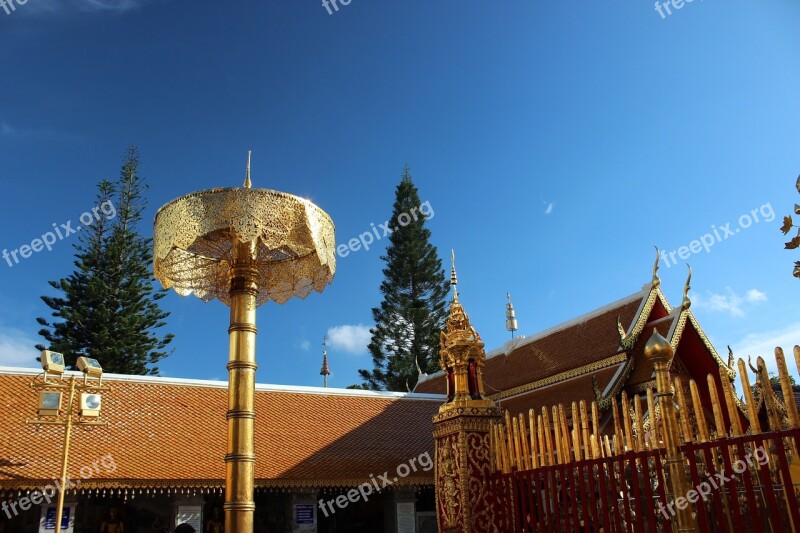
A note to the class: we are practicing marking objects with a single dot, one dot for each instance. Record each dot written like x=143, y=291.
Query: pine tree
x=405, y=338
x=109, y=309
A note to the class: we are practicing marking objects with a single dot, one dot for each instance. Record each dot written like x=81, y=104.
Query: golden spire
x=656, y=280
x=326, y=371
x=686, y=301
x=511, y=317
x=453, y=277
x=247, y=182
x=462, y=357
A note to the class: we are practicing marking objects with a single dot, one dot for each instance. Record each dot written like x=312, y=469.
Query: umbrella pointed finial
x=247, y=182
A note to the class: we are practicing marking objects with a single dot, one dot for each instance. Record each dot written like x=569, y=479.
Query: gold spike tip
x=687, y=302
x=656, y=281
x=247, y=183
x=658, y=349
x=453, y=276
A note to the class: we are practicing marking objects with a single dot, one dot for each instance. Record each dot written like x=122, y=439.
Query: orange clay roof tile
x=161, y=431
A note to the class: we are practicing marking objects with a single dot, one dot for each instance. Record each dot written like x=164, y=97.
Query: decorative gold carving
x=447, y=479
x=604, y=401
x=462, y=357
x=642, y=387
x=290, y=240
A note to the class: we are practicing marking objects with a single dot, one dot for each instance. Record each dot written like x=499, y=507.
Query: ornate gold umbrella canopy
x=245, y=247
x=196, y=237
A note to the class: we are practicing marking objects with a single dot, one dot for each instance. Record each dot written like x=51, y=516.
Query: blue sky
x=556, y=142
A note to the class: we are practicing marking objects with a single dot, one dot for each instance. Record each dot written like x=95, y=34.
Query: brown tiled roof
x=571, y=345
x=173, y=433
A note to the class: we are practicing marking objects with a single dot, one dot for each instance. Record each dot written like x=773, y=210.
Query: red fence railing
x=739, y=484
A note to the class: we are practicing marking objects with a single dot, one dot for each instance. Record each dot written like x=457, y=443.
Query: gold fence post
x=660, y=353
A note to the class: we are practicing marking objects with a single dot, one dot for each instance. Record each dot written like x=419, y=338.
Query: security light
x=90, y=367
x=90, y=404
x=52, y=362
x=49, y=403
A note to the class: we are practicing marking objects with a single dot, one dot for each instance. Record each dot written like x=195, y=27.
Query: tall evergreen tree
x=109, y=309
x=405, y=338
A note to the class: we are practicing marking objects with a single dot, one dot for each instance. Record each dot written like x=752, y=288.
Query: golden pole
x=240, y=459
x=660, y=353
x=245, y=247
x=65, y=457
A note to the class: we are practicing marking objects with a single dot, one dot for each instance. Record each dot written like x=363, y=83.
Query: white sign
x=47, y=520
x=190, y=514
x=305, y=517
x=406, y=521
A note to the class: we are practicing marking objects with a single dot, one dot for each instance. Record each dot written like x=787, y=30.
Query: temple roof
x=590, y=340
x=167, y=432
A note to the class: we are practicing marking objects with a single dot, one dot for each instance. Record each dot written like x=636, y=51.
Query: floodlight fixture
x=91, y=404
x=90, y=367
x=52, y=363
x=49, y=403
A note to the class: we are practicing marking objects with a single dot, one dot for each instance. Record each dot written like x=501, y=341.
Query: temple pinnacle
x=326, y=371
x=511, y=318
x=247, y=182
x=453, y=276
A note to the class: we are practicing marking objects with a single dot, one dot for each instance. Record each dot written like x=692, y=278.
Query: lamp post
x=245, y=247
x=50, y=407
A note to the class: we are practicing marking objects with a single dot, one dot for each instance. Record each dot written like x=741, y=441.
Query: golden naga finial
x=247, y=182
x=656, y=281
x=730, y=357
x=686, y=301
x=621, y=330
x=453, y=276
x=752, y=368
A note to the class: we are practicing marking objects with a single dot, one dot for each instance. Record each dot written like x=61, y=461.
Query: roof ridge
x=260, y=387
x=569, y=323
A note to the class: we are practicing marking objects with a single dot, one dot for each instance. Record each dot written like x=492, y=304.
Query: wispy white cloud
x=755, y=295
x=728, y=302
x=349, y=338
x=763, y=344
x=305, y=346
x=550, y=206
x=17, y=349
